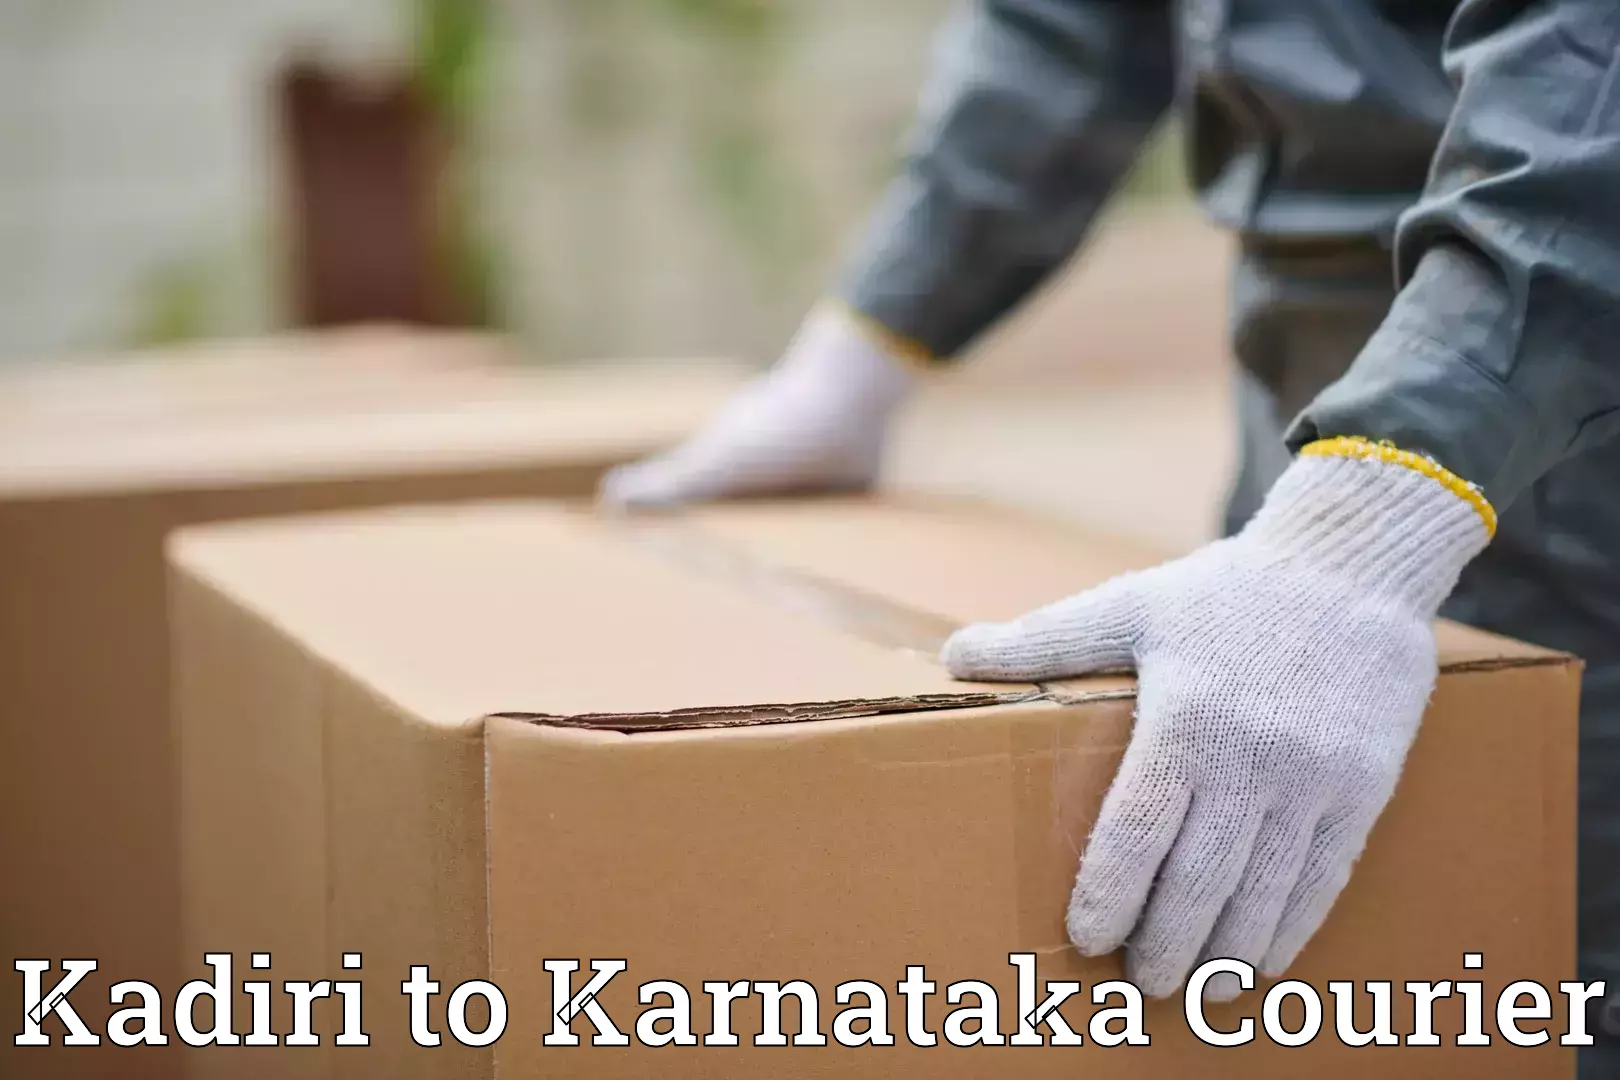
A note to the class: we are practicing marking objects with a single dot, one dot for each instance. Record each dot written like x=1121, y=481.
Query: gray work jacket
x=1477, y=144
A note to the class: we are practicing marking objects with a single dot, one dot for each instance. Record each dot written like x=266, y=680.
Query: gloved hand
x=1282, y=673
x=814, y=423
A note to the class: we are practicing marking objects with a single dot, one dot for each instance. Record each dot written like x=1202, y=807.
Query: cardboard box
x=362, y=366
x=99, y=461
x=716, y=746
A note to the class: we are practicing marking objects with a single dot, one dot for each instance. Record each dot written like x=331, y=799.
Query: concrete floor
x=1146, y=462
x=1106, y=401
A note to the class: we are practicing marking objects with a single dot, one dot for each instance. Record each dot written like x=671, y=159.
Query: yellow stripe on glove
x=1355, y=447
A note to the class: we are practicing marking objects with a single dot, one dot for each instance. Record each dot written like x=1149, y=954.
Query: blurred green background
x=621, y=177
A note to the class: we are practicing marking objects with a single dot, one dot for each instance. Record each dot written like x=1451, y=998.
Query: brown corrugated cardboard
x=98, y=462
x=717, y=747
x=220, y=380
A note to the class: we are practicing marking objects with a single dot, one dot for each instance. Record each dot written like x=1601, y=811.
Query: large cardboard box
x=98, y=461
x=717, y=747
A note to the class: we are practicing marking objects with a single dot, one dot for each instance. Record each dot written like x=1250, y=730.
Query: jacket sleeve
x=1501, y=354
x=1033, y=112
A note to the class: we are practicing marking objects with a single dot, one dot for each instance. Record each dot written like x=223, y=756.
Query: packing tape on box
x=1045, y=773
x=861, y=614
x=865, y=615
x=871, y=618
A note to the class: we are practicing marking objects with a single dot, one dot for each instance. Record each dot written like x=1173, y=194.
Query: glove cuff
x=1391, y=522
x=912, y=353
x=1366, y=449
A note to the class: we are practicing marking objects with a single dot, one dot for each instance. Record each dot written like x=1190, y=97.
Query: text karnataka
x=1521, y=1013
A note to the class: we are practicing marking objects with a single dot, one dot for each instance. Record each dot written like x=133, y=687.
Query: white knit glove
x=815, y=423
x=1282, y=675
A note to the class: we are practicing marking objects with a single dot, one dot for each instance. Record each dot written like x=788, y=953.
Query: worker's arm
x=1284, y=671
x=1501, y=355
x=1034, y=111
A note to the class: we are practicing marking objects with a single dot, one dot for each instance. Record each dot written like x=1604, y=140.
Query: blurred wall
x=651, y=177
x=137, y=182
x=675, y=177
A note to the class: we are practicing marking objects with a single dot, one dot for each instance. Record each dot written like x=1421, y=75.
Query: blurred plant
x=601, y=93
x=451, y=62
x=216, y=285
x=174, y=303
x=754, y=20
x=451, y=57
x=732, y=148
x=735, y=151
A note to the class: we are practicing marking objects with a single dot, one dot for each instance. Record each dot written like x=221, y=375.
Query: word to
x=1523, y=1010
